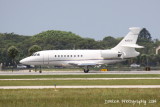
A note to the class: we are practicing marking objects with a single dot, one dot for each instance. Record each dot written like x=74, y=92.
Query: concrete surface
x=26, y=72
x=90, y=86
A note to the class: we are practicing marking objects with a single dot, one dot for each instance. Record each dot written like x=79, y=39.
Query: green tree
x=109, y=42
x=87, y=43
x=12, y=53
x=145, y=39
x=144, y=35
x=33, y=49
x=56, y=39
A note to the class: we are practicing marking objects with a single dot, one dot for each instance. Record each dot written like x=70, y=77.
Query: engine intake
x=111, y=54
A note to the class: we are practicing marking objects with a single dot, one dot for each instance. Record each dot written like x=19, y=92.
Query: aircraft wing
x=83, y=63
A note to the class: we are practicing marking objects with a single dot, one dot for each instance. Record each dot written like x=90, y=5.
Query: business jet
x=86, y=58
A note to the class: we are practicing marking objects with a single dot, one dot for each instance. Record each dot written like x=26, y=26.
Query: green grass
x=78, y=82
x=77, y=97
x=81, y=76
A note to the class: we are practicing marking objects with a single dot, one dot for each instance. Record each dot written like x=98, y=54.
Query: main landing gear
x=86, y=70
x=40, y=71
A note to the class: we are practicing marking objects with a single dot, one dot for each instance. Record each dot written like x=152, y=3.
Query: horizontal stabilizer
x=133, y=46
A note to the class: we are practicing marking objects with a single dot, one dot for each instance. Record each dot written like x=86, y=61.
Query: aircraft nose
x=24, y=61
x=21, y=61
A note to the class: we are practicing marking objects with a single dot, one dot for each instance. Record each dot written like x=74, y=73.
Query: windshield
x=35, y=54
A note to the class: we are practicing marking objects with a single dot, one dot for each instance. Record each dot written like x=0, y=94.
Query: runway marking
x=80, y=79
x=91, y=86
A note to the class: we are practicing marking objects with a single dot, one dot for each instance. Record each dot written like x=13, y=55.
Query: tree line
x=14, y=47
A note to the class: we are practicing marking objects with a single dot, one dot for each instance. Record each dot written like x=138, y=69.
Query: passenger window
x=61, y=55
x=64, y=55
x=71, y=55
x=81, y=55
x=55, y=55
x=67, y=55
x=78, y=55
x=58, y=55
x=38, y=54
x=74, y=55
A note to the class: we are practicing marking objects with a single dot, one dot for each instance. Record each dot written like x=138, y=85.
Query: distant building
x=157, y=50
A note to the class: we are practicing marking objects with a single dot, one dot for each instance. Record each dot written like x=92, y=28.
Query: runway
x=91, y=86
x=26, y=72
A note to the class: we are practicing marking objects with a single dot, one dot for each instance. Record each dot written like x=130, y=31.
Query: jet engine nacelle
x=111, y=54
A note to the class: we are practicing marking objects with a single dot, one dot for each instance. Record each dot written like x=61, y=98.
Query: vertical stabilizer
x=128, y=43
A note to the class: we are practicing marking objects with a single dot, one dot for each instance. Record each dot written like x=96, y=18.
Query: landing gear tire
x=86, y=70
x=40, y=71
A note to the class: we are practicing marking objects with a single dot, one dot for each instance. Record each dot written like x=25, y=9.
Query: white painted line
x=93, y=86
x=82, y=79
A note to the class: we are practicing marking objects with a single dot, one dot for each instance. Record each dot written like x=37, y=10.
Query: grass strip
x=81, y=76
x=78, y=82
x=79, y=98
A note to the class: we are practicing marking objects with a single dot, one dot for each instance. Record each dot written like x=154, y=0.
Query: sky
x=88, y=18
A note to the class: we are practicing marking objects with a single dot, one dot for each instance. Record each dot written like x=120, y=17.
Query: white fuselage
x=69, y=58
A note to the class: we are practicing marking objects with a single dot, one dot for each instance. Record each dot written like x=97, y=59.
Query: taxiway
x=26, y=72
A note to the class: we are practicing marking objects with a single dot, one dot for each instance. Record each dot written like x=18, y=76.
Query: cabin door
x=45, y=59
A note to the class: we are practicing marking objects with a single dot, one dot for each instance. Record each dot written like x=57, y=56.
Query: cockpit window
x=35, y=54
